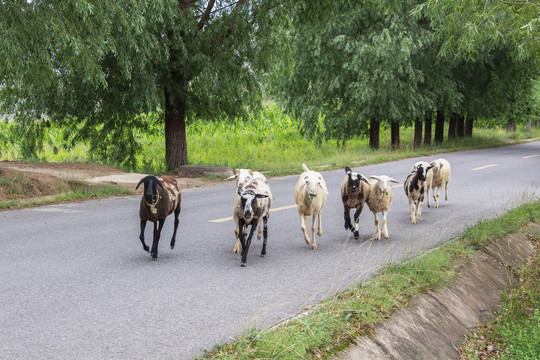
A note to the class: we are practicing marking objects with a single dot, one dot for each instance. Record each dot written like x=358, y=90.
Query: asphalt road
x=76, y=283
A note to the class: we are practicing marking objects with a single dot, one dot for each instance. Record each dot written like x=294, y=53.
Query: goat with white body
x=415, y=187
x=353, y=197
x=379, y=196
x=429, y=177
x=441, y=175
x=310, y=195
x=161, y=197
x=253, y=204
x=242, y=178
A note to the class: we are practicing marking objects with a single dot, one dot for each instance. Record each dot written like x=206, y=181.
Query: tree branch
x=206, y=14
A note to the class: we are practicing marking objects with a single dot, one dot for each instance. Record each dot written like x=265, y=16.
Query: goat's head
x=247, y=200
x=150, y=188
x=242, y=176
x=422, y=172
x=383, y=182
x=311, y=182
x=437, y=165
x=354, y=179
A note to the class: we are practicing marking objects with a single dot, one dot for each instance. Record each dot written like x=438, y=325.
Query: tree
x=352, y=63
x=97, y=65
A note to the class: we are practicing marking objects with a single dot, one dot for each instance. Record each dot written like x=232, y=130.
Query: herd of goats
x=253, y=200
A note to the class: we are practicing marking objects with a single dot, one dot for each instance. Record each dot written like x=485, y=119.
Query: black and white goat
x=161, y=197
x=253, y=204
x=415, y=187
x=353, y=197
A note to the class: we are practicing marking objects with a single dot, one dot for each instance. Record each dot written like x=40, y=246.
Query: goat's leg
x=236, y=249
x=246, y=244
x=141, y=236
x=427, y=195
x=265, y=233
x=446, y=190
x=157, y=234
x=261, y=225
x=412, y=210
x=313, y=221
x=304, y=222
x=384, y=227
x=419, y=209
x=436, y=196
x=347, y=216
x=176, y=221
x=356, y=220
x=378, y=233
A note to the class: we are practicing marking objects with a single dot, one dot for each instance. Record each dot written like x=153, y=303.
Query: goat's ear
x=364, y=179
x=260, y=196
x=240, y=191
x=160, y=185
x=393, y=180
x=348, y=170
x=140, y=182
x=232, y=177
x=429, y=167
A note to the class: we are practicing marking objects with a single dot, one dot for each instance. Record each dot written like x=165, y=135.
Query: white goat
x=429, y=176
x=379, y=196
x=310, y=195
x=242, y=178
x=441, y=175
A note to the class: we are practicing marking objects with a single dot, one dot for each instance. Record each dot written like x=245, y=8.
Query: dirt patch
x=26, y=181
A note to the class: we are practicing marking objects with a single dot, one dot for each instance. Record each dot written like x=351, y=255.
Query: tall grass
x=269, y=141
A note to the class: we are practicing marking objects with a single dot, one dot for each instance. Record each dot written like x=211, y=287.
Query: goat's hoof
x=314, y=247
x=356, y=235
x=243, y=264
x=172, y=246
x=146, y=248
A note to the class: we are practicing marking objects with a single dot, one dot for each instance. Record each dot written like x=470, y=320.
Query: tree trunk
x=510, y=125
x=469, y=127
x=175, y=133
x=439, y=127
x=537, y=123
x=460, y=126
x=529, y=125
x=394, y=134
x=452, y=127
x=374, y=126
x=417, y=133
x=427, y=128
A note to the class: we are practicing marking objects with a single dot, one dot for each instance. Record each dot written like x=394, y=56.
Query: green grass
x=270, y=142
x=66, y=191
x=335, y=322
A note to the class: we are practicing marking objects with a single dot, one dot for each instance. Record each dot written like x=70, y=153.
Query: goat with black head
x=353, y=197
x=253, y=205
x=415, y=188
x=161, y=197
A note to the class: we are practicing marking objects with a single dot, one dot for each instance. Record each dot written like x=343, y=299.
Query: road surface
x=76, y=283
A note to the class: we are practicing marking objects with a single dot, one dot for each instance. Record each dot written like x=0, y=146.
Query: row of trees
x=345, y=68
x=369, y=63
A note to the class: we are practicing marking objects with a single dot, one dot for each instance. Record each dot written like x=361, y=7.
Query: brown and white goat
x=161, y=197
x=353, y=196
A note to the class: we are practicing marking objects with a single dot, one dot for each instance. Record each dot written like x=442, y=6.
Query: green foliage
x=469, y=28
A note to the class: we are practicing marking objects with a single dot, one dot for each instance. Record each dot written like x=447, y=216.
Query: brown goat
x=161, y=198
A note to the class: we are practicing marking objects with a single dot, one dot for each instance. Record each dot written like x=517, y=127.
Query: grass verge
x=69, y=191
x=335, y=322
